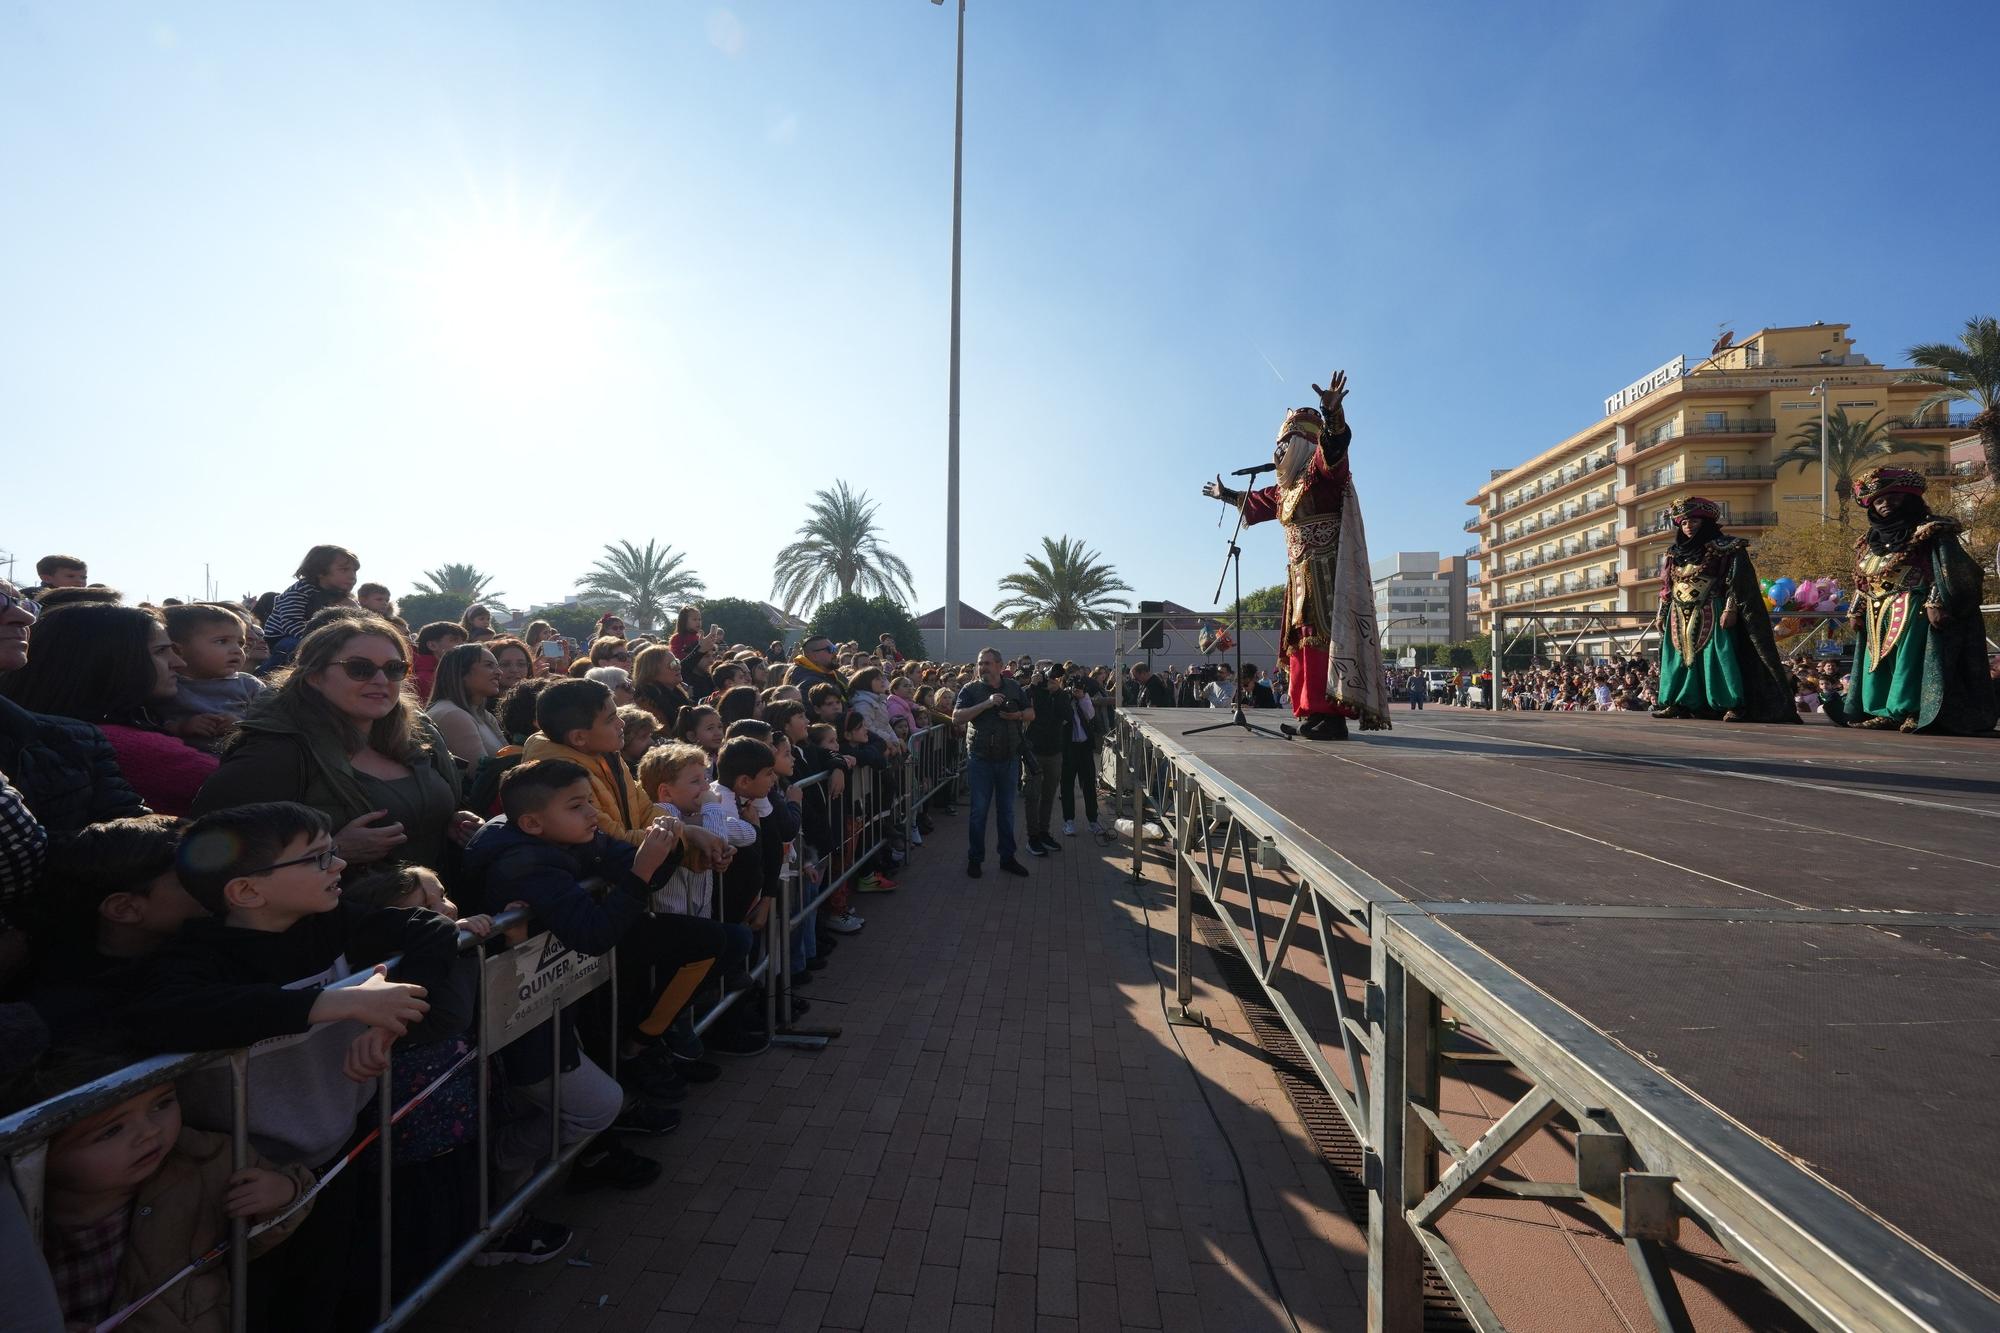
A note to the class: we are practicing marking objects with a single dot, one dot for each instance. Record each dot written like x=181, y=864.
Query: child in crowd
x=702, y=726
x=263, y=966
x=577, y=720
x=548, y=842
x=747, y=769
x=640, y=728
x=436, y=1155
x=61, y=571
x=325, y=576
x=677, y=775
x=109, y=898
x=132, y=1195
x=433, y=642
x=517, y=724
x=214, y=691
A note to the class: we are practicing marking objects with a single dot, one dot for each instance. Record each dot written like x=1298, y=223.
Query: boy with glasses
x=272, y=967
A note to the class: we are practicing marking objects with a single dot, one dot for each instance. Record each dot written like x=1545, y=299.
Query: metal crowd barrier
x=520, y=987
x=1647, y=1154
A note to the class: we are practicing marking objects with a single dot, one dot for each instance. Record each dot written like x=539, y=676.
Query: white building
x=1412, y=601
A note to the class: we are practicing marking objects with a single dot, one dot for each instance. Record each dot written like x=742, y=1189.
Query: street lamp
x=951, y=466
x=1819, y=392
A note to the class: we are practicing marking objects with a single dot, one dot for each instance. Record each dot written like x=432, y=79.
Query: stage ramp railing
x=1406, y=995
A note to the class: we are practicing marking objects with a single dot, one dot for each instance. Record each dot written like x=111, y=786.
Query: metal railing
x=1385, y=972
x=1743, y=426
x=874, y=814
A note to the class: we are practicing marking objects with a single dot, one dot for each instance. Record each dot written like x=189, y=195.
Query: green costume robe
x=1904, y=667
x=1705, y=667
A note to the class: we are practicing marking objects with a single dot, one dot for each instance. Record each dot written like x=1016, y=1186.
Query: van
x=1438, y=678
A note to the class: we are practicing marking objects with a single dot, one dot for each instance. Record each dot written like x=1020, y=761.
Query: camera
x=1205, y=674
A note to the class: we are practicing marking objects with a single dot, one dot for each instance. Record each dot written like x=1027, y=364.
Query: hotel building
x=1581, y=527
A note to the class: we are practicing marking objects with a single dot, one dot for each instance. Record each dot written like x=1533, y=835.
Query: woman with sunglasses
x=65, y=770
x=113, y=666
x=341, y=733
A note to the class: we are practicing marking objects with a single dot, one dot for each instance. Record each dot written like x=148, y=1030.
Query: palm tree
x=1852, y=447
x=838, y=548
x=1066, y=587
x=460, y=582
x=639, y=583
x=1968, y=373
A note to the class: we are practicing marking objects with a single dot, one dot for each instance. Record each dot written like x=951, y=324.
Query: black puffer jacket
x=65, y=770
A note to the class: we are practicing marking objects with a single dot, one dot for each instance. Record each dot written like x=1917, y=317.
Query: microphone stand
x=1233, y=562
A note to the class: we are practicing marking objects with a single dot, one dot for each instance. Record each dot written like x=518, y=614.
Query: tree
x=421, y=608
x=838, y=547
x=639, y=583
x=863, y=620
x=1263, y=601
x=462, y=582
x=1805, y=550
x=1852, y=447
x=1066, y=587
x=1968, y=372
x=743, y=621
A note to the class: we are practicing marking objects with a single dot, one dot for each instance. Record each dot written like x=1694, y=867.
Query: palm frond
x=1066, y=587
x=839, y=550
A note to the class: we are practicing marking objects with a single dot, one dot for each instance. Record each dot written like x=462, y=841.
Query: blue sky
x=499, y=283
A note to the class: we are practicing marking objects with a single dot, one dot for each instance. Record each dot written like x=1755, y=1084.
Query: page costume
x=1909, y=673
x=1333, y=654
x=1717, y=652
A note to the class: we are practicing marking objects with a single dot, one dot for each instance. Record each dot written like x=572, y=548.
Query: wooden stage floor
x=1796, y=924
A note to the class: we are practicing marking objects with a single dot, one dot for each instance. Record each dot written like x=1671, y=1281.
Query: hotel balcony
x=1475, y=523
x=1550, y=485
x=1956, y=424
x=1672, y=430
x=1761, y=472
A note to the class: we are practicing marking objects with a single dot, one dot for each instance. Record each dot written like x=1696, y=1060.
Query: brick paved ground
x=1006, y=1136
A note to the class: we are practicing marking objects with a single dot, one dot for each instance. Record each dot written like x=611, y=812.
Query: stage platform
x=1791, y=930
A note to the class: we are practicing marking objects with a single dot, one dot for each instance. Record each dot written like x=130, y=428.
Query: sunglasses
x=320, y=860
x=618, y=657
x=10, y=600
x=361, y=669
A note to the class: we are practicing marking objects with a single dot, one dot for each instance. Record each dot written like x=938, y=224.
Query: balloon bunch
x=1783, y=595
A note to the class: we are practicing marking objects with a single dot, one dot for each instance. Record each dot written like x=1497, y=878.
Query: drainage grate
x=1339, y=1151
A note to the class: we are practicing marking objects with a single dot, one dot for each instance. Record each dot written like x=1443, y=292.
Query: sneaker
x=972, y=870
x=842, y=923
x=654, y=1082
x=608, y=1164
x=1096, y=829
x=680, y=1038
x=698, y=1071
x=1013, y=867
x=817, y=964
x=738, y=1041
x=873, y=883
x=531, y=1240
x=823, y=948
x=646, y=1118
x=1035, y=847
x=916, y=837
x=801, y=979
x=1069, y=828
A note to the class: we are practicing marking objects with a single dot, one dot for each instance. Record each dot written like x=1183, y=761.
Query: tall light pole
x=951, y=466
x=1819, y=392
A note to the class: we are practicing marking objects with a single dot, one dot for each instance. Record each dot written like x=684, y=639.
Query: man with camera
x=997, y=710
x=1046, y=737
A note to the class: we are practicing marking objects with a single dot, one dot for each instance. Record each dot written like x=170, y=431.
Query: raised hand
x=1332, y=396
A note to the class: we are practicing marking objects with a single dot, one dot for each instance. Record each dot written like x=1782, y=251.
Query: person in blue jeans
x=996, y=708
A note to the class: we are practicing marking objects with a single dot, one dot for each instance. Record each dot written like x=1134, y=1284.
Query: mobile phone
x=552, y=648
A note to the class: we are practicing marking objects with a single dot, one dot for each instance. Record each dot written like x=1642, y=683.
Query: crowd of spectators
x=210, y=813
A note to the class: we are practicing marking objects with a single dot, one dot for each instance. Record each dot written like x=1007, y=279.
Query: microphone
x=1253, y=471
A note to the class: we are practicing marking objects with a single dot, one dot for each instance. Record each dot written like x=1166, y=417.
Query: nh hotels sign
x=1633, y=392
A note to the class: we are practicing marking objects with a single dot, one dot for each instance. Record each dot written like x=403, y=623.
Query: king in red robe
x=1333, y=654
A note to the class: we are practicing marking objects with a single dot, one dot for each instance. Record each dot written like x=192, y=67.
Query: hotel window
x=1715, y=420
x=1716, y=466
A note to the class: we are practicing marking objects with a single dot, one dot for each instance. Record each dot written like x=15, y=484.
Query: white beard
x=1294, y=454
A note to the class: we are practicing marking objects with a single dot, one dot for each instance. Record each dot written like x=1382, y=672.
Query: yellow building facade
x=1582, y=526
